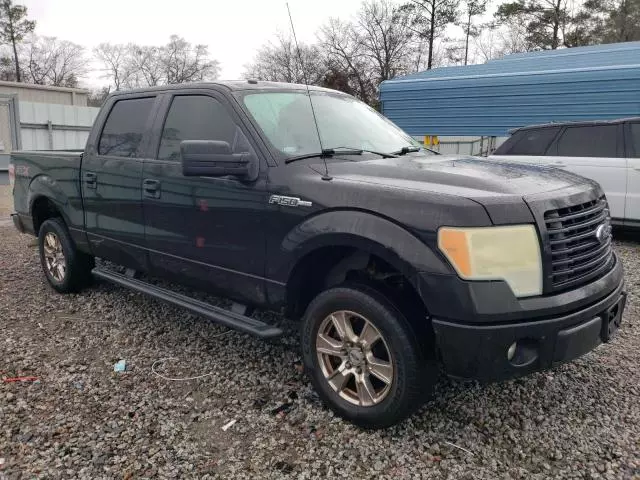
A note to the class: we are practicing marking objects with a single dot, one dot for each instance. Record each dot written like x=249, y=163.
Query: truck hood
x=470, y=177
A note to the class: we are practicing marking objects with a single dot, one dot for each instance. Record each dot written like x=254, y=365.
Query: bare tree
x=115, y=61
x=97, y=96
x=183, y=62
x=385, y=37
x=131, y=65
x=278, y=62
x=488, y=44
x=145, y=67
x=353, y=56
x=344, y=48
x=50, y=61
x=497, y=40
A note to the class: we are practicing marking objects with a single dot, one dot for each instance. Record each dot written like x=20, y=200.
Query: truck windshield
x=344, y=122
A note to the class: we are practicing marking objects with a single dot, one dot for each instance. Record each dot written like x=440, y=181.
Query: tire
x=396, y=356
x=66, y=269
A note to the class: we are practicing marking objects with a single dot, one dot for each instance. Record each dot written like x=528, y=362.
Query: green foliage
x=608, y=21
x=553, y=24
x=546, y=20
x=14, y=26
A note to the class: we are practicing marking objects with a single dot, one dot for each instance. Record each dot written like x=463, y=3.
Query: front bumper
x=545, y=330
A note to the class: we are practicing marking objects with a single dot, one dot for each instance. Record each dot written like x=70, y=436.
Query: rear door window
x=529, y=142
x=125, y=127
x=589, y=141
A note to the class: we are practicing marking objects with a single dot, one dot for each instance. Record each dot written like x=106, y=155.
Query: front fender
x=363, y=230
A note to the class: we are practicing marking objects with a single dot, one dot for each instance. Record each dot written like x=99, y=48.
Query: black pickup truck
x=395, y=259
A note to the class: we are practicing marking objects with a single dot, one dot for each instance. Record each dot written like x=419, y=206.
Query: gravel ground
x=6, y=201
x=82, y=420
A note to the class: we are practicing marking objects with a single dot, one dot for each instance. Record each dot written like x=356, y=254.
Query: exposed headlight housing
x=509, y=253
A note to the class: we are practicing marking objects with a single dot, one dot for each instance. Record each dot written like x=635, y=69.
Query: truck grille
x=580, y=243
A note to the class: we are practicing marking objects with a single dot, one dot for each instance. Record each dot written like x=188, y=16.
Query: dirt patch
x=6, y=201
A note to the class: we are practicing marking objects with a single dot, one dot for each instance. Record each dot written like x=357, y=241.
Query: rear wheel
x=66, y=269
x=363, y=357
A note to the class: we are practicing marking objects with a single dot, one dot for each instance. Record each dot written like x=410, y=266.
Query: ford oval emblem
x=602, y=232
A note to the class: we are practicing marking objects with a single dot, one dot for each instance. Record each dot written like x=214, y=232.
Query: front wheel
x=363, y=357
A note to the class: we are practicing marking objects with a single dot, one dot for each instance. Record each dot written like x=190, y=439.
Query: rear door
x=632, y=143
x=111, y=178
x=595, y=152
x=204, y=231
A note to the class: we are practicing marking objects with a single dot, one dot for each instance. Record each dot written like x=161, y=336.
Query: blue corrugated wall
x=584, y=83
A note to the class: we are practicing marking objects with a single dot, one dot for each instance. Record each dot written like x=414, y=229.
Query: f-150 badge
x=289, y=201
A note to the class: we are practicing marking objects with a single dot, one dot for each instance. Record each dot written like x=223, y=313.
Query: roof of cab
x=233, y=85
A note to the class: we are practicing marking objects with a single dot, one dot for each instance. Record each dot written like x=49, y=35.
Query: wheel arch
x=46, y=200
x=331, y=245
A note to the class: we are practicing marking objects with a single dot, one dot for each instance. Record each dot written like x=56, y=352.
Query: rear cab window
x=125, y=126
x=529, y=142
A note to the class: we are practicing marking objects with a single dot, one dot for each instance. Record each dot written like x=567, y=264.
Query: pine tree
x=14, y=26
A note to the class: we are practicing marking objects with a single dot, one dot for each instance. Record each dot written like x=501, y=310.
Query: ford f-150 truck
x=307, y=201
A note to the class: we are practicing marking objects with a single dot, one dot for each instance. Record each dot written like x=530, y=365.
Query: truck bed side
x=46, y=180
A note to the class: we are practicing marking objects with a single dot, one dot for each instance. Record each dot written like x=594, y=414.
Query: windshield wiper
x=408, y=149
x=413, y=149
x=330, y=152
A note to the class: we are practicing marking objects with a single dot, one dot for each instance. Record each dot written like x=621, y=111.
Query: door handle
x=559, y=164
x=91, y=179
x=637, y=169
x=151, y=188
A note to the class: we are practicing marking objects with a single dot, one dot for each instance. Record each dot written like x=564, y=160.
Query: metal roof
x=584, y=83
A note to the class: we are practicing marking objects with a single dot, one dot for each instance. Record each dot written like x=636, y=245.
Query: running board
x=216, y=314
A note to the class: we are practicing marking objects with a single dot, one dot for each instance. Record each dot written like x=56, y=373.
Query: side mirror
x=212, y=158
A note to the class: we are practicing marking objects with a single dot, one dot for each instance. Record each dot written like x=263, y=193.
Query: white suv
x=605, y=151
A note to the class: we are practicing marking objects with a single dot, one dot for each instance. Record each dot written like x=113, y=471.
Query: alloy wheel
x=54, y=257
x=354, y=358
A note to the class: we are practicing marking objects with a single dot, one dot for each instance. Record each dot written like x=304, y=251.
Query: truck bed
x=53, y=173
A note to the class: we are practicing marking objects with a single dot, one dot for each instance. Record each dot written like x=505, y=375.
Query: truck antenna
x=326, y=175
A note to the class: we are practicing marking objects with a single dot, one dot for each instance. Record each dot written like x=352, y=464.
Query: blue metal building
x=584, y=83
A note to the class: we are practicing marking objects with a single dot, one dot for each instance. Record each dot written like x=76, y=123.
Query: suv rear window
x=124, y=128
x=635, y=138
x=589, y=141
x=528, y=142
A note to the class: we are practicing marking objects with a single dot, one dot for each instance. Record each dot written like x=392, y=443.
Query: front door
x=204, y=231
x=111, y=178
x=633, y=175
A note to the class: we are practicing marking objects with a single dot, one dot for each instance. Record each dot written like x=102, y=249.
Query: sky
x=233, y=29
